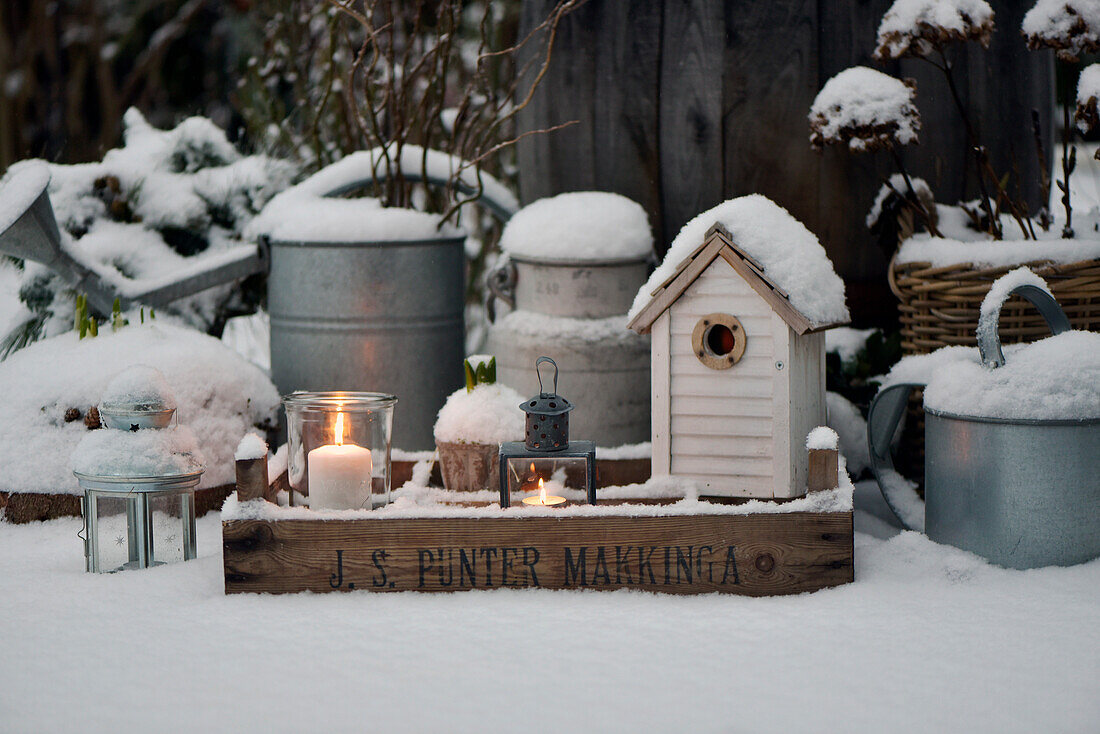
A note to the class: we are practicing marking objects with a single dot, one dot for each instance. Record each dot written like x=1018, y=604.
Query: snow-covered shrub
x=50, y=386
x=920, y=27
x=141, y=212
x=862, y=110
x=1070, y=27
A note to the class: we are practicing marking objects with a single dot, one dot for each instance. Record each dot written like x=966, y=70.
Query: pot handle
x=501, y=282
x=883, y=419
x=988, y=332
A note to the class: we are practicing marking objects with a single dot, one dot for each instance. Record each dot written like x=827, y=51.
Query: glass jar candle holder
x=339, y=448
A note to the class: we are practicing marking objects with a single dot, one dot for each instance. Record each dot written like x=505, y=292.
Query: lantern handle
x=538, y=362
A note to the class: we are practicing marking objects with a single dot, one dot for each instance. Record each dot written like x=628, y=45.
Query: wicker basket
x=939, y=307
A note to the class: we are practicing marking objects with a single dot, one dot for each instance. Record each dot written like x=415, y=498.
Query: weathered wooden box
x=754, y=554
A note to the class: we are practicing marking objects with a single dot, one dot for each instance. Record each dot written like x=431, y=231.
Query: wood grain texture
x=754, y=555
x=824, y=469
x=690, y=110
x=252, y=480
x=24, y=507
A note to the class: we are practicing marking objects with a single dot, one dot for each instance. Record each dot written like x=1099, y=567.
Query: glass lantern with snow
x=339, y=448
x=139, y=478
x=546, y=465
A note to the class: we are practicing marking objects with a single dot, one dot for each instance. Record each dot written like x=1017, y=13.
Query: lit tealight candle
x=340, y=475
x=542, y=499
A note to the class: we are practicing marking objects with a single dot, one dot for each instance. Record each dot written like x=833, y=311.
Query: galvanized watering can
x=1021, y=493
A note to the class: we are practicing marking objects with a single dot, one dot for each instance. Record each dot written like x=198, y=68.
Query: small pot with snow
x=473, y=423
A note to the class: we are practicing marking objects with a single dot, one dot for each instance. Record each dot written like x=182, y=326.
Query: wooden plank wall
x=685, y=103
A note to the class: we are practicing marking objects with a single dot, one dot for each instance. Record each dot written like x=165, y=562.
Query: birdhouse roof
x=775, y=254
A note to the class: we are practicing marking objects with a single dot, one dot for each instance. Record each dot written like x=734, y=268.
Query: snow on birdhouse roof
x=781, y=259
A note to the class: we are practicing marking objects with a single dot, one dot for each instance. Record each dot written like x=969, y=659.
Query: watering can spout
x=32, y=234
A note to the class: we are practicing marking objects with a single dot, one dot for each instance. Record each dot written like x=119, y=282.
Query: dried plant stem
x=1044, y=175
x=913, y=199
x=1069, y=162
x=972, y=139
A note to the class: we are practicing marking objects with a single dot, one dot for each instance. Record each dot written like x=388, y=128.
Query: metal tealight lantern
x=138, y=512
x=546, y=455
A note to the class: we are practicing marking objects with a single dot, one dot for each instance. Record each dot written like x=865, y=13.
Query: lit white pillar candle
x=340, y=474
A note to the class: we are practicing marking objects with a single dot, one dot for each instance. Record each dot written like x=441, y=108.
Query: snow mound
x=865, y=110
x=846, y=341
x=152, y=452
x=917, y=27
x=20, y=188
x=488, y=414
x=897, y=184
x=562, y=330
x=1072, y=27
x=822, y=438
x=790, y=254
x=219, y=395
x=251, y=447
x=1057, y=378
x=847, y=421
x=581, y=225
x=294, y=218
x=138, y=388
x=307, y=213
x=940, y=252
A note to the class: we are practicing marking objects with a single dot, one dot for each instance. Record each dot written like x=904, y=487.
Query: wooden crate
x=751, y=554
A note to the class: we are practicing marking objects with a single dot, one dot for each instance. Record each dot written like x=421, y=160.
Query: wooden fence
x=684, y=103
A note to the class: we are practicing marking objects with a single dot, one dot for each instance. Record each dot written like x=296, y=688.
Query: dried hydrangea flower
x=864, y=110
x=1070, y=27
x=919, y=27
x=1088, y=93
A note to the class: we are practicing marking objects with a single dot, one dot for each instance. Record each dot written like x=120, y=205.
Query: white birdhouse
x=738, y=367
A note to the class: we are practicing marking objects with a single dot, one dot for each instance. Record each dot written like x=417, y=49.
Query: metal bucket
x=371, y=316
x=607, y=381
x=1021, y=493
x=577, y=289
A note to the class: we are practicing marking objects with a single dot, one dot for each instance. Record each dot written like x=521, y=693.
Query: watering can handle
x=539, y=362
x=988, y=332
x=883, y=418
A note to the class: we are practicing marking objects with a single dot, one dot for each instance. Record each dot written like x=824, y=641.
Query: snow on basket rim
x=943, y=252
x=790, y=254
x=19, y=189
x=579, y=225
x=864, y=109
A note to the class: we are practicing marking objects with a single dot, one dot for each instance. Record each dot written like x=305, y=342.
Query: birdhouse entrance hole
x=718, y=341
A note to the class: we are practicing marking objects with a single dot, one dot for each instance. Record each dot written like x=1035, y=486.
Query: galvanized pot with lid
x=1020, y=492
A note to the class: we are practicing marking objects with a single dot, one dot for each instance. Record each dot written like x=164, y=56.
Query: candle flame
x=542, y=493
x=339, y=429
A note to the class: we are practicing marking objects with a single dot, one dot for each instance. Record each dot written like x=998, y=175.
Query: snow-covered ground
x=928, y=638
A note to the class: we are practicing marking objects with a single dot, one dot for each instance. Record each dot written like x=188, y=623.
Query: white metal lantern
x=139, y=477
x=137, y=522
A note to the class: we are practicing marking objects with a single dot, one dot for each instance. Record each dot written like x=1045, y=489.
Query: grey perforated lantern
x=547, y=415
x=547, y=453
